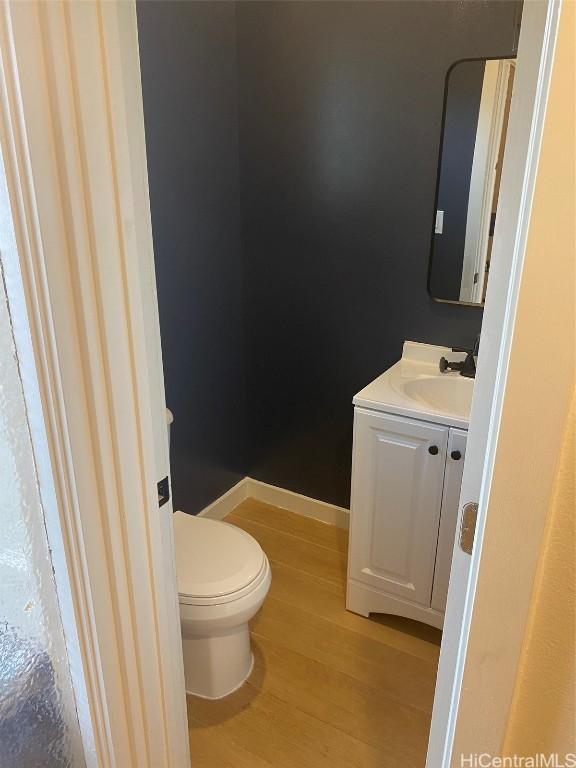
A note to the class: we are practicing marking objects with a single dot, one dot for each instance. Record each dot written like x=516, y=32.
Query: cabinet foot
x=365, y=600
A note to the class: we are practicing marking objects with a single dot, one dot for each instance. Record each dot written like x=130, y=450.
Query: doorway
x=121, y=561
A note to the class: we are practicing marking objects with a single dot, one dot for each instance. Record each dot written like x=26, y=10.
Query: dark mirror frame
x=438, y=171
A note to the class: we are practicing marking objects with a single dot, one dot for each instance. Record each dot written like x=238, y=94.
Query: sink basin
x=449, y=393
x=414, y=387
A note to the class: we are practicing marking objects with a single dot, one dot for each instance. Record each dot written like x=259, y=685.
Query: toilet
x=223, y=578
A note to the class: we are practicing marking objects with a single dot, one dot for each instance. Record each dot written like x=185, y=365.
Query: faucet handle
x=446, y=365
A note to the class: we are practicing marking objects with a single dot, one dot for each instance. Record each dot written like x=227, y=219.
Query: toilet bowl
x=223, y=578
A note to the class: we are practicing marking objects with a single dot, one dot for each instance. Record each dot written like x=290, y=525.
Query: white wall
x=543, y=714
x=539, y=387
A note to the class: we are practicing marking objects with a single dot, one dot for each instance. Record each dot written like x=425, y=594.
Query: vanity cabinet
x=406, y=478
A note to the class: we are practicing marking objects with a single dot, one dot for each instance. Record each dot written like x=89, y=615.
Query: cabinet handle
x=433, y=450
x=456, y=455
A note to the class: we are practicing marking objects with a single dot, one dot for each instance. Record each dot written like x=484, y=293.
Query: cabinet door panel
x=448, y=517
x=396, y=497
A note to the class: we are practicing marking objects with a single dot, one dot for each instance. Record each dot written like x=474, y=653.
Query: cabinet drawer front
x=396, y=498
x=448, y=516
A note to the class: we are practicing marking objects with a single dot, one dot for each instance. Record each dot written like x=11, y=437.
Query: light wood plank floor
x=329, y=688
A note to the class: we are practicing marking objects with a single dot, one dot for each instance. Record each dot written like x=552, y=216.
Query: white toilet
x=223, y=578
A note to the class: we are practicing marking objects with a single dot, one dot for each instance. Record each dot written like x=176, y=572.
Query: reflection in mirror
x=476, y=108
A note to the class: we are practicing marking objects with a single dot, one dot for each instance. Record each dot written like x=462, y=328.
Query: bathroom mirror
x=476, y=108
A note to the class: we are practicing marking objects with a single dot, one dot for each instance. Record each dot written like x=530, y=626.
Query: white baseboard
x=278, y=497
x=227, y=502
x=301, y=505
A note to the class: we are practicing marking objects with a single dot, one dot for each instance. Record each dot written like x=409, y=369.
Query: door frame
x=72, y=136
x=470, y=573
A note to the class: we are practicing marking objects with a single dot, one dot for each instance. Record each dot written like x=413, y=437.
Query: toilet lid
x=213, y=558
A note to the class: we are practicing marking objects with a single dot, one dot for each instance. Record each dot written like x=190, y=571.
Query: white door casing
x=529, y=99
x=73, y=145
x=534, y=409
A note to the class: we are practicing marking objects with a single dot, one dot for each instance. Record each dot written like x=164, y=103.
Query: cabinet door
x=448, y=516
x=396, y=497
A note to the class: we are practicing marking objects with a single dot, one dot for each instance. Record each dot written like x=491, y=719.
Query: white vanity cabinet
x=406, y=478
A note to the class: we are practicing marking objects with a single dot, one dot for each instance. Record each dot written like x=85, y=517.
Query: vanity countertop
x=414, y=387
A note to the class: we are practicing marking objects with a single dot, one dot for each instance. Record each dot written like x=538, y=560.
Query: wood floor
x=329, y=688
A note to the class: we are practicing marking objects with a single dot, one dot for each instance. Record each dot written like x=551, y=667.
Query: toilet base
x=215, y=667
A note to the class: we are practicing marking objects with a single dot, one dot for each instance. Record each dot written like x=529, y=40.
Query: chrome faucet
x=466, y=367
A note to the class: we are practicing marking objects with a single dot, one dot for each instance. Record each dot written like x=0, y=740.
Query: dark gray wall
x=339, y=130
x=340, y=118
x=458, y=142
x=189, y=68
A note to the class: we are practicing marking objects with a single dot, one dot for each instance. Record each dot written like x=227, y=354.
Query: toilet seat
x=231, y=597
x=216, y=562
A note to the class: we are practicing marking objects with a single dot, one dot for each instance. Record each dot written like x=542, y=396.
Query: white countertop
x=398, y=390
